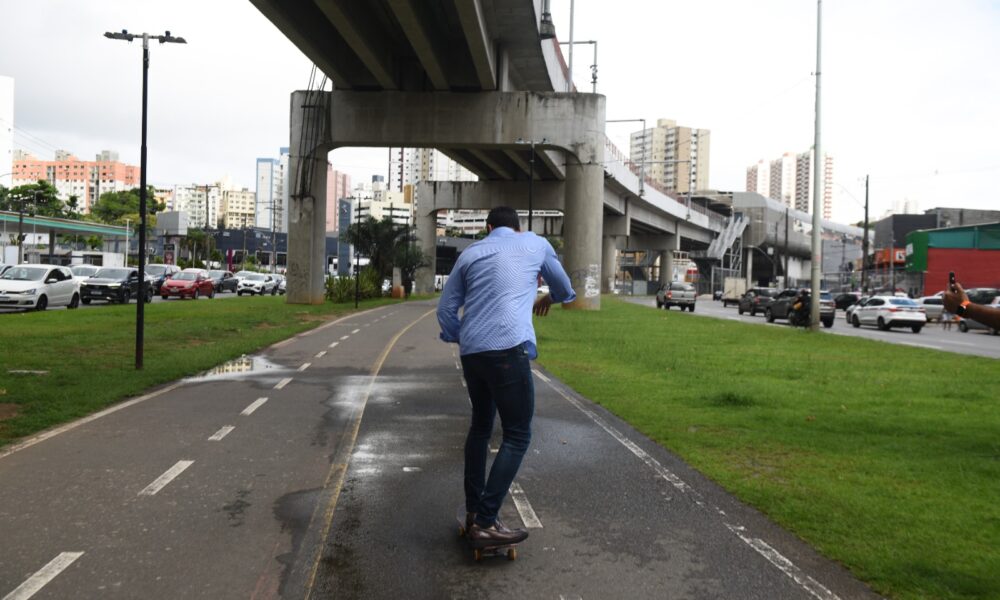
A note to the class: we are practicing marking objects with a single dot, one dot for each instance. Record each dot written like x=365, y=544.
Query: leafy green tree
x=115, y=207
x=36, y=198
x=378, y=240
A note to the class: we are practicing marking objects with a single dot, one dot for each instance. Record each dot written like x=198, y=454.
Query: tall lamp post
x=593, y=67
x=642, y=163
x=531, y=173
x=163, y=39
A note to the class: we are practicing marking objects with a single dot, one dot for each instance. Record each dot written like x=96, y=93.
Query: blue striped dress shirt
x=495, y=282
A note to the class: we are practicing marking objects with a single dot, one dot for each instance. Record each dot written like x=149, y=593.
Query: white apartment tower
x=675, y=158
x=200, y=202
x=789, y=180
x=272, y=193
x=6, y=129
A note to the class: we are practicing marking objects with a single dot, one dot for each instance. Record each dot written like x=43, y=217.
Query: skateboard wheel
x=477, y=554
x=511, y=554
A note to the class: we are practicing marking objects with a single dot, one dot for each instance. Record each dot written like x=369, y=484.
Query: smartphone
x=951, y=281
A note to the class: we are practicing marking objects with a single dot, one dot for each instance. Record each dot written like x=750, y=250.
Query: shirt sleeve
x=555, y=276
x=452, y=299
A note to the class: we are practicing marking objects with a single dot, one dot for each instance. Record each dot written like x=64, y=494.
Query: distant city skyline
x=909, y=88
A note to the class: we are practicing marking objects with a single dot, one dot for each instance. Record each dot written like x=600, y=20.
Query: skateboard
x=510, y=550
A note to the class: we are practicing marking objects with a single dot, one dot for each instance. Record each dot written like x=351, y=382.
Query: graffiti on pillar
x=587, y=280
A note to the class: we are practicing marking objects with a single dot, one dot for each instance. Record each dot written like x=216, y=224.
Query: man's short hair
x=504, y=216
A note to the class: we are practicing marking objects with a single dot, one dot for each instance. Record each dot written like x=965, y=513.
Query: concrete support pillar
x=582, y=228
x=427, y=239
x=609, y=254
x=666, y=266
x=307, y=202
x=750, y=283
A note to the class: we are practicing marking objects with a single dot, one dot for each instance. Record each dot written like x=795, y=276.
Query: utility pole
x=569, y=78
x=818, y=172
x=243, y=261
x=127, y=221
x=787, y=209
x=864, y=245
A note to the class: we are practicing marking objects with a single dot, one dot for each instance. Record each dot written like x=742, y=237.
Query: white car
x=38, y=287
x=256, y=283
x=81, y=272
x=886, y=312
x=933, y=306
x=849, y=311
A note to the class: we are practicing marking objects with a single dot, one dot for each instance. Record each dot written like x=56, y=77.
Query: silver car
x=965, y=325
x=933, y=306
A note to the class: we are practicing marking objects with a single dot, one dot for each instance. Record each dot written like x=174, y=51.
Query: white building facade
x=272, y=193
x=6, y=130
x=200, y=202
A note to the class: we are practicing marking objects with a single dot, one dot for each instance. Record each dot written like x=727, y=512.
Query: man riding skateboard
x=495, y=282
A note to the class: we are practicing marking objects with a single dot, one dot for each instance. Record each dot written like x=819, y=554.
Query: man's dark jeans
x=499, y=382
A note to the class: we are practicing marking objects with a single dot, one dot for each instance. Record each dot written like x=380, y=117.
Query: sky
x=909, y=89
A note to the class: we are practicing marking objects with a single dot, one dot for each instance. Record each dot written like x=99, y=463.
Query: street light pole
x=531, y=174
x=593, y=67
x=140, y=303
x=818, y=179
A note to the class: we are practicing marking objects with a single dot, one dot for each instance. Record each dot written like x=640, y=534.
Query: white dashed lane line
x=253, y=406
x=334, y=345
x=218, y=435
x=528, y=516
x=282, y=383
x=320, y=354
x=355, y=331
x=344, y=337
x=44, y=575
x=304, y=366
x=161, y=482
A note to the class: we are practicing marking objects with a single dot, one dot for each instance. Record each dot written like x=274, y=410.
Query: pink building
x=86, y=180
x=338, y=185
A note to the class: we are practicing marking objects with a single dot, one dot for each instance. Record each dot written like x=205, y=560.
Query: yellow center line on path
x=335, y=478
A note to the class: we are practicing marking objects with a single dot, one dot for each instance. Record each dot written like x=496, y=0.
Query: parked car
x=223, y=280
x=32, y=286
x=886, y=312
x=257, y=283
x=279, y=284
x=850, y=309
x=781, y=306
x=965, y=325
x=676, y=293
x=84, y=272
x=982, y=295
x=160, y=273
x=844, y=300
x=933, y=307
x=116, y=284
x=192, y=283
x=756, y=300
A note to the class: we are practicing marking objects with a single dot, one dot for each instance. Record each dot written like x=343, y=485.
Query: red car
x=190, y=283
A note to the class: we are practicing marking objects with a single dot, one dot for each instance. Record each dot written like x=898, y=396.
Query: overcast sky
x=910, y=88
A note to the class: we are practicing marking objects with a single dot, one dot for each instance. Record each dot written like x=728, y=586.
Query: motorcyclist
x=799, y=314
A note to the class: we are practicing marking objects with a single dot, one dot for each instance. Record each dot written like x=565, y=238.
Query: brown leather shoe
x=496, y=534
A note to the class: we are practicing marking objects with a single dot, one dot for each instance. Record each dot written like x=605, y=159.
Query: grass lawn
x=883, y=457
x=89, y=354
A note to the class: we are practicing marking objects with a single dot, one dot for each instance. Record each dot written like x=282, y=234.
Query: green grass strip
x=88, y=355
x=883, y=457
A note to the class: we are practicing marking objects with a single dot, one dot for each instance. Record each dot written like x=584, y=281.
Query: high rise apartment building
x=200, y=202
x=789, y=179
x=238, y=208
x=272, y=193
x=86, y=180
x=6, y=130
x=338, y=186
x=675, y=158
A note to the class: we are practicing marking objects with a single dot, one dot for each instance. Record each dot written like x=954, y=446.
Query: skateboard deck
x=510, y=550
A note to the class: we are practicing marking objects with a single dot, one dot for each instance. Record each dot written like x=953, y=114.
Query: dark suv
x=756, y=300
x=114, y=284
x=782, y=306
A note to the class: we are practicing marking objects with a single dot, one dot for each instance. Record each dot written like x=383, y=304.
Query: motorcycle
x=798, y=316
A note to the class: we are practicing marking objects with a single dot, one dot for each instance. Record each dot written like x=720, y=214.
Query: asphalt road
x=330, y=466
x=931, y=337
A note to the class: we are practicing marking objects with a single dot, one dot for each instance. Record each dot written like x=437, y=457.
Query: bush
x=341, y=289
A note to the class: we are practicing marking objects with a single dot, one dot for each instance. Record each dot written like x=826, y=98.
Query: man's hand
x=954, y=299
x=542, y=305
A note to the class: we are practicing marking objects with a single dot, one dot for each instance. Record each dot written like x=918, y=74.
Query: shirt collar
x=502, y=232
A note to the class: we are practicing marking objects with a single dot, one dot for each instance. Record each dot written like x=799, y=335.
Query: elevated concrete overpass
x=475, y=80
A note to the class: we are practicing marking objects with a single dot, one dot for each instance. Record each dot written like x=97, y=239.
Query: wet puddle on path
x=239, y=368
